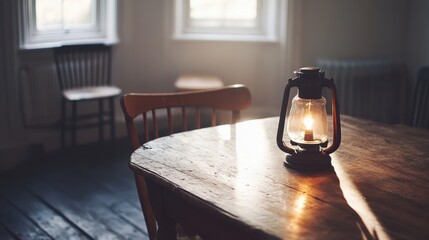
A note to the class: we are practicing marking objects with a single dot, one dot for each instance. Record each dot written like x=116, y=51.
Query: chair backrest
x=232, y=98
x=420, y=107
x=83, y=65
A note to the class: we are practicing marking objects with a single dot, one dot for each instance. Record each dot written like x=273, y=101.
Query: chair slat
x=100, y=119
x=155, y=123
x=107, y=64
x=73, y=66
x=213, y=116
x=420, y=115
x=82, y=69
x=198, y=117
x=68, y=76
x=170, y=121
x=88, y=68
x=99, y=66
x=146, y=127
x=184, y=119
x=235, y=116
x=69, y=79
x=424, y=110
x=78, y=68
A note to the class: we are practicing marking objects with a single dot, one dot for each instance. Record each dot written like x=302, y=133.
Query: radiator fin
x=40, y=94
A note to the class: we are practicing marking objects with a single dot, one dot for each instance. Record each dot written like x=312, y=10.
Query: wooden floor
x=88, y=193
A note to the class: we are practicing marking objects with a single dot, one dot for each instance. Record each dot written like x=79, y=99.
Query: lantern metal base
x=308, y=160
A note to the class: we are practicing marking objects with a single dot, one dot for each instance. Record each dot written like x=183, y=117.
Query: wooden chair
x=232, y=98
x=84, y=75
x=420, y=107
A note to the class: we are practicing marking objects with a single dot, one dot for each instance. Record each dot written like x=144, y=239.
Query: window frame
x=267, y=31
x=104, y=29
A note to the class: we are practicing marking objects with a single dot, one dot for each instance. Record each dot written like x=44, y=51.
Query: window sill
x=60, y=43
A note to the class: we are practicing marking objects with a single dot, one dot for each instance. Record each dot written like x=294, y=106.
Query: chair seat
x=88, y=93
x=197, y=82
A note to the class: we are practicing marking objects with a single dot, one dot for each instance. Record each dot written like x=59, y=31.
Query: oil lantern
x=307, y=121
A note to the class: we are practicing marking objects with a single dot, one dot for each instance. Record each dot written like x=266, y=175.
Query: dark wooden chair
x=231, y=98
x=84, y=75
x=420, y=107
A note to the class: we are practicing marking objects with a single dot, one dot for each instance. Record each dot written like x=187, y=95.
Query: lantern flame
x=308, y=122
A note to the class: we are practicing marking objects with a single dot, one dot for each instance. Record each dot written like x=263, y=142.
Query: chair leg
x=100, y=120
x=63, y=123
x=74, y=122
x=112, y=120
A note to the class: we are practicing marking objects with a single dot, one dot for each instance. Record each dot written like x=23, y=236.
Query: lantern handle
x=280, y=130
x=329, y=83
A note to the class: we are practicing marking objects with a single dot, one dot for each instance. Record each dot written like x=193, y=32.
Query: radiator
x=39, y=91
x=370, y=89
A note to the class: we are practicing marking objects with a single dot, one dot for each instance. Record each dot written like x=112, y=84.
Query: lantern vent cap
x=310, y=72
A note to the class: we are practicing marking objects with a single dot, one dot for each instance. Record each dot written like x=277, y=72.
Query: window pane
x=48, y=14
x=224, y=13
x=78, y=12
x=60, y=14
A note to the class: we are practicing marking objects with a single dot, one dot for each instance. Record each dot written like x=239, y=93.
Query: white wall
x=147, y=59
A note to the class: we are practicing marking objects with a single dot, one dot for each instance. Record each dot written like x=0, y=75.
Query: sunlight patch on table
x=372, y=227
x=252, y=145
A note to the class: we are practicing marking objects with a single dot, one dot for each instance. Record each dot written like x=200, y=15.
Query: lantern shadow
x=328, y=186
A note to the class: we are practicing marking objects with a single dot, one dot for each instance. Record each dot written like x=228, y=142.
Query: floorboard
x=4, y=234
x=17, y=223
x=47, y=218
x=83, y=193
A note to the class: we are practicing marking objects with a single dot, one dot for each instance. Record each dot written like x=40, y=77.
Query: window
x=65, y=15
x=243, y=20
x=52, y=23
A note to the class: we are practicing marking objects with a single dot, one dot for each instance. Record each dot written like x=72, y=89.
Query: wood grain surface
x=229, y=181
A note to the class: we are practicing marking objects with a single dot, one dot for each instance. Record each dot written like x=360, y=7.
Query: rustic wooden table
x=229, y=182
